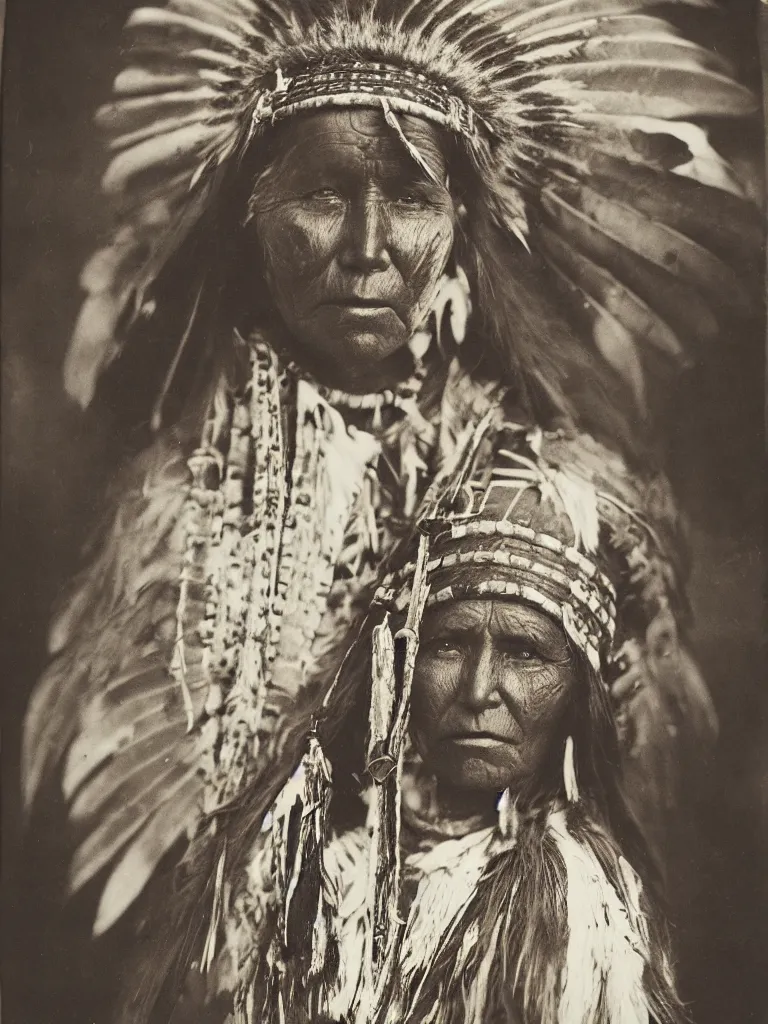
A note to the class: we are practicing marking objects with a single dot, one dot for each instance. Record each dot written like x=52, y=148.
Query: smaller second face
x=492, y=683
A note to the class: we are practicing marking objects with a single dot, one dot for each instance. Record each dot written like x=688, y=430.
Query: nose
x=481, y=689
x=366, y=248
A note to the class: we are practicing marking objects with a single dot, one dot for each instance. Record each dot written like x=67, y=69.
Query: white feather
x=606, y=954
x=580, y=502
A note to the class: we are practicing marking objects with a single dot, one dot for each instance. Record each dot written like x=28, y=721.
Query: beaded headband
x=533, y=528
x=348, y=83
x=532, y=567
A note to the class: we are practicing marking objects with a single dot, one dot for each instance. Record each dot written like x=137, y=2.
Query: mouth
x=480, y=739
x=358, y=301
x=358, y=313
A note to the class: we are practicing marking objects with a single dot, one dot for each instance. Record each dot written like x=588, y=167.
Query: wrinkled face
x=491, y=685
x=355, y=235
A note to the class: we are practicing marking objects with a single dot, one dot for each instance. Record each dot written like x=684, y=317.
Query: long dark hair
x=589, y=720
x=526, y=957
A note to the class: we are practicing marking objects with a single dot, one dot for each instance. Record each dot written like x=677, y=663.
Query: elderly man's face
x=355, y=234
x=492, y=681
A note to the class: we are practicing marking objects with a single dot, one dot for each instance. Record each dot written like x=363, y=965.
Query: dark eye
x=444, y=647
x=322, y=195
x=413, y=199
x=521, y=650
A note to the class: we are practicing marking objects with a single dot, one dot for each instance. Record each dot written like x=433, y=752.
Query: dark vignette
x=58, y=61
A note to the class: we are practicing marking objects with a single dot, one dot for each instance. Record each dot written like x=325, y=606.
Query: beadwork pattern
x=345, y=83
x=543, y=570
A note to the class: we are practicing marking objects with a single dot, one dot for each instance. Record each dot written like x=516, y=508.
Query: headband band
x=348, y=83
x=535, y=568
x=580, y=627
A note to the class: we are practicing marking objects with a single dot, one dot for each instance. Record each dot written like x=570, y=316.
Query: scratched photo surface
x=59, y=62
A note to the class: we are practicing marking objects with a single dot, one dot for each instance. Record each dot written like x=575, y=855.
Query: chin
x=350, y=341
x=365, y=347
x=477, y=774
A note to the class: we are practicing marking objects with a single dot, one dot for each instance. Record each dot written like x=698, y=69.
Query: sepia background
x=59, y=58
